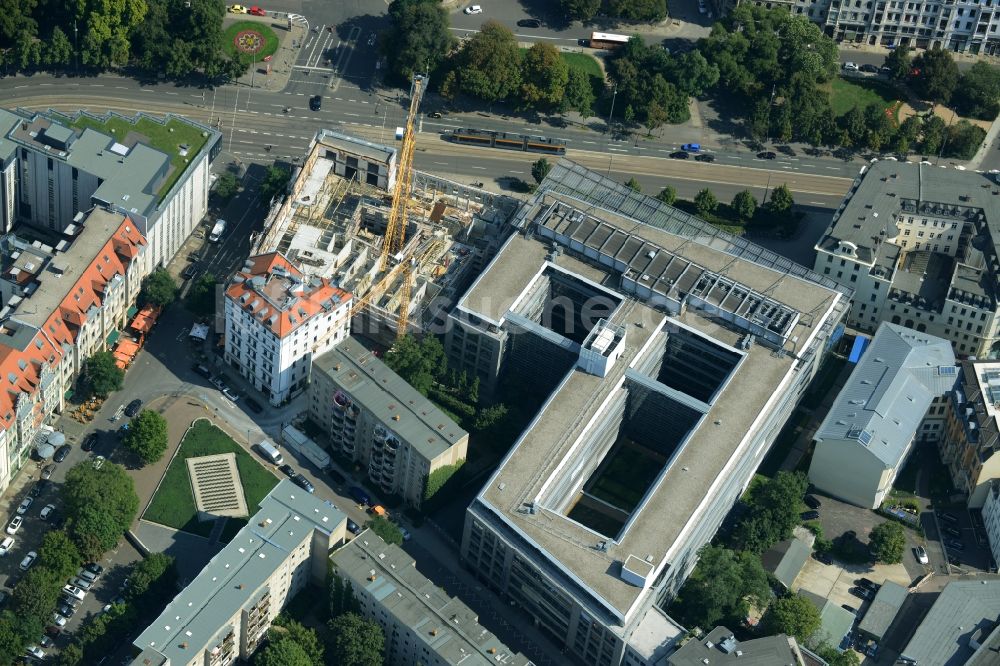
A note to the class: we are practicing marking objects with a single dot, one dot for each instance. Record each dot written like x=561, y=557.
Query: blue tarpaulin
x=860, y=344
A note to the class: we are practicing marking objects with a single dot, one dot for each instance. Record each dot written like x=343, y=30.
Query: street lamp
x=611, y=153
x=614, y=96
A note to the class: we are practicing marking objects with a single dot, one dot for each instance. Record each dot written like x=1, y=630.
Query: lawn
x=580, y=61
x=232, y=34
x=166, y=137
x=173, y=504
x=846, y=94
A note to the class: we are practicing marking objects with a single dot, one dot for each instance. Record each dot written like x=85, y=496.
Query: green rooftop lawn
x=157, y=135
x=173, y=504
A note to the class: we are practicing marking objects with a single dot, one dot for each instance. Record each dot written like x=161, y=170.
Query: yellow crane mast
x=395, y=232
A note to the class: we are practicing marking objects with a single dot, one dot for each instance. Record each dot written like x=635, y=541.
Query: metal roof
x=883, y=610
x=721, y=647
x=889, y=391
x=785, y=560
x=962, y=608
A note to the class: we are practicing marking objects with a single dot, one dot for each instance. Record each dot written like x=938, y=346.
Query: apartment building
x=58, y=306
x=224, y=613
x=916, y=244
x=372, y=416
x=970, y=447
x=895, y=398
x=961, y=627
x=991, y=517
x=155, y=170
x=422, y=624
x=720, y=646
x=665, y=356
x=278, y=320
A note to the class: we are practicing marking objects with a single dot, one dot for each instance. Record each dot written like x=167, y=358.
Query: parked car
x=812, y=502
x=82, y=583
x=34, y=651
x=679, y=155
x=849, y=67
x=237, y=9
x=861, y=592
x=61, y=453
x=6, y=545
x=99, y=462
x=202, y=370
x=58, y=620
x=14, y=525
x=921, y=555
x=86, y=575
x=405, y=532
x=868, y=68
x=45, y=642
x=810, y=515
x=74, y=592
x=705, y=157
x=359, y=495
x=849, y=608
x=231, y=394
x=47, y=511
x=94, y=568
x=28, y=560
x=766, y=155
x=474, y=9
x=189, y=272
x=287, y=470
x=47, y=472
x=353, y=527
x=529, y=23
x=90, y=442
x=316, y=102
x=24, y=506
x=256, y=11
x=867, y=583
x=820, y=556
x=253, y=405
x=133, y=408
x=70, y=600
x=433, y=114
x=66, y=610
x=304, y=483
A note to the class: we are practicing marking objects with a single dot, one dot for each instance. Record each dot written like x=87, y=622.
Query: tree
x=836, y=658
x=58, y=50
x=147, y=436
x=489, y=417
x=226, y=185
x=667, y=195
x=71, y=655
x=284, y=652
x=275, y=183
x=773, y=512
x=386, y=529
x=420, y=364
x=853, y=123
x=978, y=92
x=792, y=615
x=342, y=598
x=633, y=184
x=720, y=587
x=59, y=554
x=898, y=62
x=35, y=595
x=158, y=289
x=201, y=296
x=580, y=10
x=489, y=66
x=540, y=169
x=629, y=116
x=935, y=75
x=781, y=200
x=639, y=10
x=544, y=76
x=100, y=505
x=705, y=202
x=694, y=74
x=436, y=479
x=887, y=542
x=418, y=39
x=744, y=204
x=101, y=375
x=302, y=636
x=964, y=140
x=656, y=115
x=151, y=579
x=356, y=641
x=579, y=93
x=11, y=641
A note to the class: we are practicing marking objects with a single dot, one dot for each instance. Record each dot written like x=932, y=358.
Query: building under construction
x=333, y=224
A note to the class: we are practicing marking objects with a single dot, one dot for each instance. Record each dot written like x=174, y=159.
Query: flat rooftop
x=672, y=503
x=446, y=625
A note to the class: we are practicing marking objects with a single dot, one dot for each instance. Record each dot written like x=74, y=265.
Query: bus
x=508, y=141
x=606, y=40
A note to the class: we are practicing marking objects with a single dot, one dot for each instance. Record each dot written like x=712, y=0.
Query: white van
x=270, y=453
x=217, y=231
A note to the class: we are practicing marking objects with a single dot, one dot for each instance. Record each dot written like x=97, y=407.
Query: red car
x=256, y=11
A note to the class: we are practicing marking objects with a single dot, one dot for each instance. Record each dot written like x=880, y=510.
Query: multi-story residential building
x=224, y=613
x=895, y=397
x=422, y=624
x=720, y=646
x=970, y=447
x=991, y=517
x=157, y=172
x=665, y=357
x=960, y=628
x=915, y=243
x=278, y=320
x=58, y=306
x=373, y=416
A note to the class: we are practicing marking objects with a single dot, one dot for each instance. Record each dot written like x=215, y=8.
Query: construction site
x=401, y=241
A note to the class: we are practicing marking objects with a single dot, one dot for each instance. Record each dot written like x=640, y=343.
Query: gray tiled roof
x=714, y=648
x=942, y=639
x=784, y=560
x=883, y=609
x=888, y=393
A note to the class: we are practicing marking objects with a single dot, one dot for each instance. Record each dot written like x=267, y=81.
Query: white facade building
x=991, y=518
x=278, y=320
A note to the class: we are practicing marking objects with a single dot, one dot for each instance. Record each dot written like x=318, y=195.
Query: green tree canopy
x=226, y=185
x=147, y=436
x=418, y=39
x=773, y=512
x=540, y=169
x=964, y=140
x=302, y=636
x=12, y=643
x=356, y=641
x=720, y=587
x=151, y=580
x=489, y=66
x=580, y=10
x=633, y=184
x=544, y=76
x=667, y=195
x=100, y=506
x=100, y=375
x=283, y=652
x=887, y=542
x=201, y=296
x=274, y=184
x=639, y=10
x=744, y=204
x=834, y=657
x=421, y=364
x=705, y=201
x=781, y=201
x=899, y=63
x=159, y=289
x=386, y=529
x=792, y=615
x=935, y=75
x=978, y=92
x=59, y=554
x=579, y=93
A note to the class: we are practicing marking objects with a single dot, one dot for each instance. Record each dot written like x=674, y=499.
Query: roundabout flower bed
x=252, y=39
